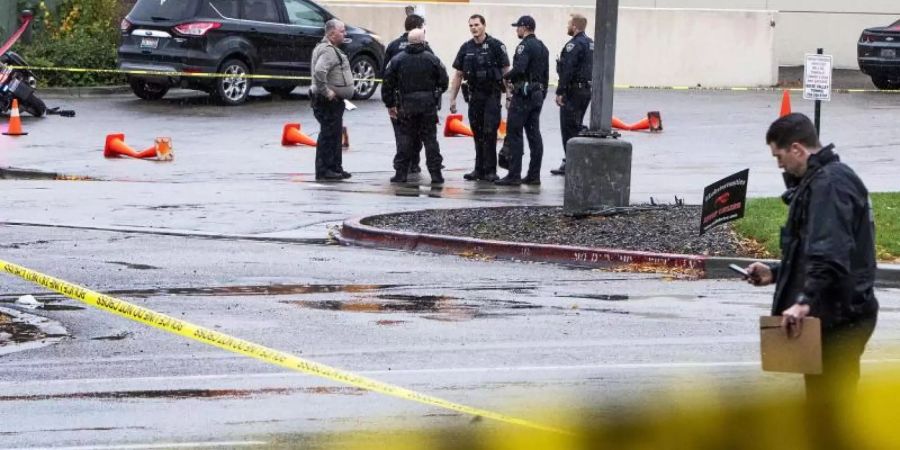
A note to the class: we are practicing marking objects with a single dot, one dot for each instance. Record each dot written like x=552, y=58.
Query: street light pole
x=606, y=24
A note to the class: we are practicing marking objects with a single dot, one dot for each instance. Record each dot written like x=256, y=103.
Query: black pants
x=330, y=114
x=525, y=113
x=484, y=116
x=571, y=113
x=830, y=395
x=414, y=159
x=417, y=130
x=842, y=348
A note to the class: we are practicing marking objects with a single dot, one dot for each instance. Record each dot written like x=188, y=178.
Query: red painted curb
x=354, y=232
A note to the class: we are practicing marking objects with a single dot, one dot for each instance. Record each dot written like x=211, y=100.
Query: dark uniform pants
x=525, y=113
x=571, y=114
x=830, y=395
x=330, y=114
x=484, y=116
x=416, y=130
x=414, y=159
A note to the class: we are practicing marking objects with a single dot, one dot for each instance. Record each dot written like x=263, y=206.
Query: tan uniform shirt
x=331, y=68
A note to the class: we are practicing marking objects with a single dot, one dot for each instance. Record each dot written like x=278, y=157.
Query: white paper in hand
x=349, y=106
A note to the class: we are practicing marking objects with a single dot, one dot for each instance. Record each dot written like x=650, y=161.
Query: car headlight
x=378, y=39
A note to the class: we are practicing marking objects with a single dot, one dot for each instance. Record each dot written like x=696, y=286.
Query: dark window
x=164, y=10
x=301, y=12
x=260, y=10
x=215, y=9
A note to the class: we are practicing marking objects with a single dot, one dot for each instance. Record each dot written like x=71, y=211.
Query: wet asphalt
x=187, y=238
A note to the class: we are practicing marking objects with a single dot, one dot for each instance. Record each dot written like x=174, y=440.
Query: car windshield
x=164, y=10
x=895, y=24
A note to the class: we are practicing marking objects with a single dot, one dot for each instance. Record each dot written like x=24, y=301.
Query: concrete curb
x=355, y=232
x=86, y=91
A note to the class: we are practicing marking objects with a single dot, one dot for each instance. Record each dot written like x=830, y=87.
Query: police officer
x=413, y=84
x=397, y=46
x=527, y=84
x=332, y=83
x=574, y=67
x=481, y=62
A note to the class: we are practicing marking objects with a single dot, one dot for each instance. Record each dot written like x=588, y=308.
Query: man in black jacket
x=413, y=84
x=397, y=46
x=827, y=267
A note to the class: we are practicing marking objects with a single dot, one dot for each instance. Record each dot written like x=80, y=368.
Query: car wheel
x=281, y=91
x=885, y=83
x=364, y=73
x=147, y=90
x=232, y=86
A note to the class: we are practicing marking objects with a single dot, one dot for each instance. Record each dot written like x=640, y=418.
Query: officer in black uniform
x=397, y=46
x=574, y=66
x=527, y=84
x=414, y=82
x=481, y=62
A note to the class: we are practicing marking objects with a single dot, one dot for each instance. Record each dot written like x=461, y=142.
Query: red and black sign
x=724, y=200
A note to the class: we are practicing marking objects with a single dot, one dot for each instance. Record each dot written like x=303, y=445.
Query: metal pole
x=606, y=24
x=818, y=117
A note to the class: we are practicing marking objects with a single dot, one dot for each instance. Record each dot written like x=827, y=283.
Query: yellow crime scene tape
x=246, y=348
x=379, y=80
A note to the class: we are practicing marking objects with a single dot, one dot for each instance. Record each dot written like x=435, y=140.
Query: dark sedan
x=878, y=52
x=235, y=38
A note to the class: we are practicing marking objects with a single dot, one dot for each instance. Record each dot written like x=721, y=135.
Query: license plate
x=149, y=42
x=888, y=53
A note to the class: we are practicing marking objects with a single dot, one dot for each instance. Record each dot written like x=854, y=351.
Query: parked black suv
x=236, y=38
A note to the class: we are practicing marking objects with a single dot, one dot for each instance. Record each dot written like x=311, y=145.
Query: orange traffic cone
x=501, y=130
x=655, y=118
x=617, y=123
x=163, y=148
x=116, y=146
x=293, y=136
x=454, y=126
x=643, y=124
x=15, y=121
x=785, y=103
x=345, y=138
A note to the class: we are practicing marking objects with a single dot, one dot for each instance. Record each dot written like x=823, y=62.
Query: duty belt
x=582, y=85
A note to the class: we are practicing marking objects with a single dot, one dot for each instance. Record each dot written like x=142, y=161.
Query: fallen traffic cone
x=454, y=126
x=643, y=124
x=345, y=138
x=501, y=130
x=617, y=123
x=293, y=136
x=163, y=147
x=785, y=103
x=15, y=121
x=116, y=146
x=655, y=119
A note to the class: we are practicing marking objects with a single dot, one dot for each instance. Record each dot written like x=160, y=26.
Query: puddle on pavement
x=433, y=307
x=623, y=298
x=253, y=291
x=17, y=332
x=9, y=173
x=134, y=266
x=114, y=337
x=18, y=245
x=185, y=394
x=58, y=307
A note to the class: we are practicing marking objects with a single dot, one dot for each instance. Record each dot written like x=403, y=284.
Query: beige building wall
x=801, y=26
x=656, y=46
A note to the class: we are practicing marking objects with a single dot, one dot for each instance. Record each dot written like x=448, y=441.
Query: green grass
x=764, y=217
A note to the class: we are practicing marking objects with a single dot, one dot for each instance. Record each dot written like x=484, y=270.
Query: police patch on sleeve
x=569, y=47
x=503, y=47
x=520, y=49
x=592, y=46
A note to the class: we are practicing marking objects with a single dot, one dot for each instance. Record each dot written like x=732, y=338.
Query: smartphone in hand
x=739, y=270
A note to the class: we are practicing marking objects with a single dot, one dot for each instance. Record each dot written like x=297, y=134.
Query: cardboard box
x=799, y=355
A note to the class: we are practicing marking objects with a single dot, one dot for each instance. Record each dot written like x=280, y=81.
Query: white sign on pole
x=817, y=77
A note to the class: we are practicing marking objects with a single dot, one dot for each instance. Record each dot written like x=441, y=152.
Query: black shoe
x=508, y=181
x=472, y=176
x=532, y=181
x=560, y=171
x=491, y=177
x=437, y=178
x=345, y=175
x=398, y=178
x=415, y=169
x=413, y=176
x=329, y=175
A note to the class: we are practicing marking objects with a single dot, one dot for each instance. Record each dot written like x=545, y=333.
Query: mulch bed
x=658, y=229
